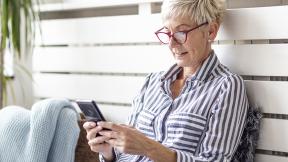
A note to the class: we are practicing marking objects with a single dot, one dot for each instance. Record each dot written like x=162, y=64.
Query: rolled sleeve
x=101, y=158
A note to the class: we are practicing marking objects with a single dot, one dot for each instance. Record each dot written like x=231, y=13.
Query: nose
x=173, y=42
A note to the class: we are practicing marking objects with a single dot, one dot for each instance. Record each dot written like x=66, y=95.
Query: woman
x=195, y=111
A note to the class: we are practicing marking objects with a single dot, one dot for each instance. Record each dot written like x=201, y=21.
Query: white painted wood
x=269, y=158
x=99, y=88
x=119, y=29
x=115, y=29
x=273, y=135
x=116, y=114
x=85, y=4
x=123, y=59
x=252, y=3
x=144, y=9
x=255, y=23
x=255, y=59
x=270, y=96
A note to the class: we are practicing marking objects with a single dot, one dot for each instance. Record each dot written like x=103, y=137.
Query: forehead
x=175, y=22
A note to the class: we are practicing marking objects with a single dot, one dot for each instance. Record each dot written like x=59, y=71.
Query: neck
x=188, y=71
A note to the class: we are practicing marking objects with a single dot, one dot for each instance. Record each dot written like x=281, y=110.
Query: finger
x=110, y=125
x=110, y=134
x=89, y=125
x=127, y=126
x=98, y=140
x=112, y=142
x=92, y=132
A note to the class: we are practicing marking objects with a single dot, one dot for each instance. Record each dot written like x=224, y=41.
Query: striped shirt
x=203, y=124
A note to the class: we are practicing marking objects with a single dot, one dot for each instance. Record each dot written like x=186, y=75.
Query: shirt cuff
x=116, y=154
x=101, y=159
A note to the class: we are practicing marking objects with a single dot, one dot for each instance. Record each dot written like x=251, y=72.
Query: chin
x=181, y=63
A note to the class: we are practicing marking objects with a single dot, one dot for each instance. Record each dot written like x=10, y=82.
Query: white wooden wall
x=85, y=54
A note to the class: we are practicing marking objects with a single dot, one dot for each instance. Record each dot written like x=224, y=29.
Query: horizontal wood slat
x=255, y=59
x=115, y=29
x=270, y=158
x=123, y=59
x=270, y=96
x=117, y=114
x=273, y=135
x=241, y=59
x=254, y=23
x=84, y=4
x=100, y=88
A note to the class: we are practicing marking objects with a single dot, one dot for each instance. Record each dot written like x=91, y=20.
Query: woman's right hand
x=98, y=144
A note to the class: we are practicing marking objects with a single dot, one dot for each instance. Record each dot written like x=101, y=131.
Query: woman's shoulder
x=155, y=76
x=228, y=77
x=225, y=73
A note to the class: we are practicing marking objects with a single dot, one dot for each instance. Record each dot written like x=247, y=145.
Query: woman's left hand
x=126, y=139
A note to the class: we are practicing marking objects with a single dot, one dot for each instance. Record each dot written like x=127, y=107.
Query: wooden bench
x=107, y=57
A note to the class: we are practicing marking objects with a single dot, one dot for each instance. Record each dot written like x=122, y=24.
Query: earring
x=209, y=40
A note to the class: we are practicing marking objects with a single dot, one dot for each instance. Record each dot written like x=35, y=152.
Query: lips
x=181, y=54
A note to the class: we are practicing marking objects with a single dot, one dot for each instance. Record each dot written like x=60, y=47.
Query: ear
x=213, y=30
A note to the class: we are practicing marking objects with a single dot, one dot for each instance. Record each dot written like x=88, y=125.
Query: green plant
x=17, y=23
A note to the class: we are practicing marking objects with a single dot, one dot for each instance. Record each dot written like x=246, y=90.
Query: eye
x=180, y=35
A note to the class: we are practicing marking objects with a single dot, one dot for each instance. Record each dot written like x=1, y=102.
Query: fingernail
x=90, y=143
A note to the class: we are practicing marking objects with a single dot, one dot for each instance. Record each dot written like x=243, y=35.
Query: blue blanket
x=46, y=133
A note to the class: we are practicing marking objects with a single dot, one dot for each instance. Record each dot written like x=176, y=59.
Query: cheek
x=195, y=44
x=190, y=47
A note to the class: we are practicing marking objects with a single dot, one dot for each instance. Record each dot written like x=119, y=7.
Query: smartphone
x=90, y=110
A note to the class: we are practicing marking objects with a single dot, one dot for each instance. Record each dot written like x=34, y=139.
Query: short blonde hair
x=200, y=11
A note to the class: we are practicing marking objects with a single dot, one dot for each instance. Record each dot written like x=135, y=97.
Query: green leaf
x=13, y=14
x=4, y=22
x=15, y=32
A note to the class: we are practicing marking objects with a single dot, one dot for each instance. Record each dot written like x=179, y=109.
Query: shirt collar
x=201, y=74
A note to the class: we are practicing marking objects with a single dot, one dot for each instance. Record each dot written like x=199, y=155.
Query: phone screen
x=90, y=110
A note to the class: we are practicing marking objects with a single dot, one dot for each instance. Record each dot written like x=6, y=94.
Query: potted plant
x=17, y=29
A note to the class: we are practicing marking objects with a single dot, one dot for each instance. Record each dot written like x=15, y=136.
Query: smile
x=180, y=54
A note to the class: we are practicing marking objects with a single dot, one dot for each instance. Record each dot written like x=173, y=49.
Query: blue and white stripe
x=204, y=123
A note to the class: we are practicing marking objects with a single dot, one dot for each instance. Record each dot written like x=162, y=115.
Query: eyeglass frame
x=172, y=35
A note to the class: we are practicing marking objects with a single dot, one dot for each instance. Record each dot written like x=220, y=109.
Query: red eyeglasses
x=180, y=36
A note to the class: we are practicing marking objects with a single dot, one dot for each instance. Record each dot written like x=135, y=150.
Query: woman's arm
x=160, y=153
x=129, y=140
